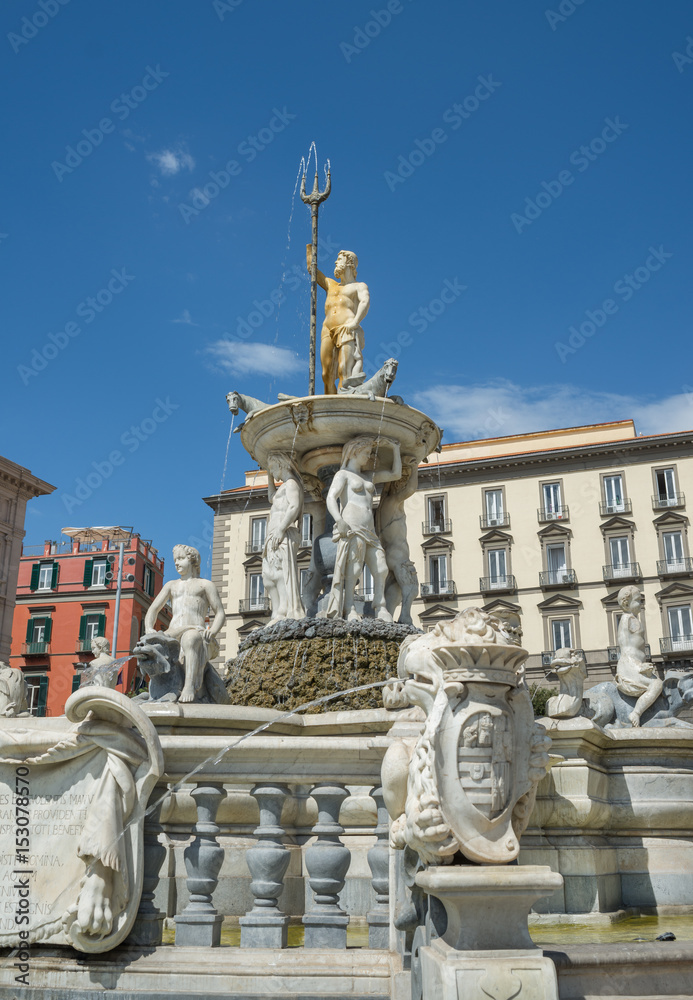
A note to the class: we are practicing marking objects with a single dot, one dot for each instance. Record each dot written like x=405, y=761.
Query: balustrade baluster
x=149, y=923
x=265, y=925
x=379, y=863
x=327, y=861
x=199, y=923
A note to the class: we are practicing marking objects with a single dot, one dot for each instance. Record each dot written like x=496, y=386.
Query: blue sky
x=533, y=157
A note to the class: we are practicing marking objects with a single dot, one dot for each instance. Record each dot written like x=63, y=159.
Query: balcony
x=494, y=584
x=624, y=506
x=675, y=567
x=84, y=645
x=501, y=520
x=664, y=502
x=255, y=547
x=553, y=514
x=548, y=655
x=437, y=527
x=445, y=588
x=36, y=648
x=624, y=571
x=670, y=645
x=612, y=653
x=557, y=578
x=254, y=606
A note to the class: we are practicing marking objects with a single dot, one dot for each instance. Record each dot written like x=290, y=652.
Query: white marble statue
x=402, y=584
x=571, y=670
x=279, y=558
x=469, y=782
x=341, y=339
x=13, y=692
x=100, y=671
x=192, y=598
x=635, y=676
x=350, y=502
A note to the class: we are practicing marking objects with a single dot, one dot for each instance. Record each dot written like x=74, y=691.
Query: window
x=552, y=498
x=497, y=565
x=45, y=576
x=307, y=529
x=494, y=507
x=37, y=693
x=673, y=550
x=556, y=562
x=148, y=581
x=257, y=590
x=39, y=630
x=613, y=494
x=98, y=573
x=258, y=531
x=619, y=550
x=438, y=573
x=91, y=624
x=680, y=627
x=666, y=486
x=561, y=633
x=436, y=513
x=38, y=634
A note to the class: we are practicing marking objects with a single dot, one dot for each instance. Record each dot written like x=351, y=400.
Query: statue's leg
x=194, y=659
x=327, y=350
x=377, y=564
x=645, y=700
x=393, y=593
x=346, y=361
x=409, y=585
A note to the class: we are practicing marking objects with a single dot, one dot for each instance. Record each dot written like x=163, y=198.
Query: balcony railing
x=35, y=648
x=437, y=527
x=489, y=584
x=675, y=567
x=624, y=506
x=553, y=513
x=557, y=578
x=501, y=520
x=254, y=547
x=673, y=500
x=254, y=605
x=671, y=645
x=612, y=653
x=622, y=571
x=441, y=589
x=84, y=645
x=548, y=655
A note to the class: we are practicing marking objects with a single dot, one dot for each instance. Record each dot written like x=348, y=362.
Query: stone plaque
x=73, y=794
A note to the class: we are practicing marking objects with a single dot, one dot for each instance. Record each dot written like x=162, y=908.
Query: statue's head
x=184, y=556
x=100, y=646
x=358, y=447
x=233, y=399
x=345, y=259
x=281, y=466
x=630, y=599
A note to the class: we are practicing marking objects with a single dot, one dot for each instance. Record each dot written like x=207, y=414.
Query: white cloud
x=500, y=407
x=172, y=161
x=185, y=317
x=254, y=359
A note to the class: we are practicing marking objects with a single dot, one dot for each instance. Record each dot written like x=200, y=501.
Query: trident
x=314, y=199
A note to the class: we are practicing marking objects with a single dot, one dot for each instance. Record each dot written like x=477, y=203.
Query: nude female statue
x=635, y=676
x=279, y=566
x=350, y=502
x=402, y=582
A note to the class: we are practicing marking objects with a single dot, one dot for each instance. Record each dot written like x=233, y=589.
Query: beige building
x=17, y=485
x=551, y=524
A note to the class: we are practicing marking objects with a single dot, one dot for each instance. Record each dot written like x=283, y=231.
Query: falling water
x=226, y=456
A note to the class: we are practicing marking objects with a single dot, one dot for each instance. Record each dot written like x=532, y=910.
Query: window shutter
x=76, y=681
x=30, y=630
x=151, y=583
x=54, y=575
x=83, y=627
x=88, y=570
x=101, y=629
x=42, y=695
x=49, y=628
x=35, y=570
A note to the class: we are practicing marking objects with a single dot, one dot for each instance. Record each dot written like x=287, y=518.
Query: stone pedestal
x=486, y=949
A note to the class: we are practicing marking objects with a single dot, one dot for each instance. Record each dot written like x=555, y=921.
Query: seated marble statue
x=635, y=676
x=100, y=671
x=279, y=565
x=191, y=599
x=13, y=692
x=350, y=502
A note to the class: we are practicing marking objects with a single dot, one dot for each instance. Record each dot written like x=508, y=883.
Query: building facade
x=17, y=486
x=550, y=524
x=66, y=596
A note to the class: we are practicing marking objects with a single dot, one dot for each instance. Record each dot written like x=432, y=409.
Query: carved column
x=199, y=923
x=265, y=925
x=327, y=861
x=379, y=863
x=149, y=923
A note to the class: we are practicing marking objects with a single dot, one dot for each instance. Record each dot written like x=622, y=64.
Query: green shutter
x=42, y=695
x=151, y=583
x=83, y=627
x=76, y=681
x=49, y=628
x=30, y=630
x=88, y=570
x=35, y=570
x=54, y=575
x=101, y=630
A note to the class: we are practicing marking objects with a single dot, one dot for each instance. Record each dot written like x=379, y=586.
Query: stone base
x=198, y=930
x=448, y=974
x=260, y=931
x=327, y=931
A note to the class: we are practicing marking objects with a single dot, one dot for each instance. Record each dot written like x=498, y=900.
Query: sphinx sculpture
x=472, y=775
x=569, y=666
